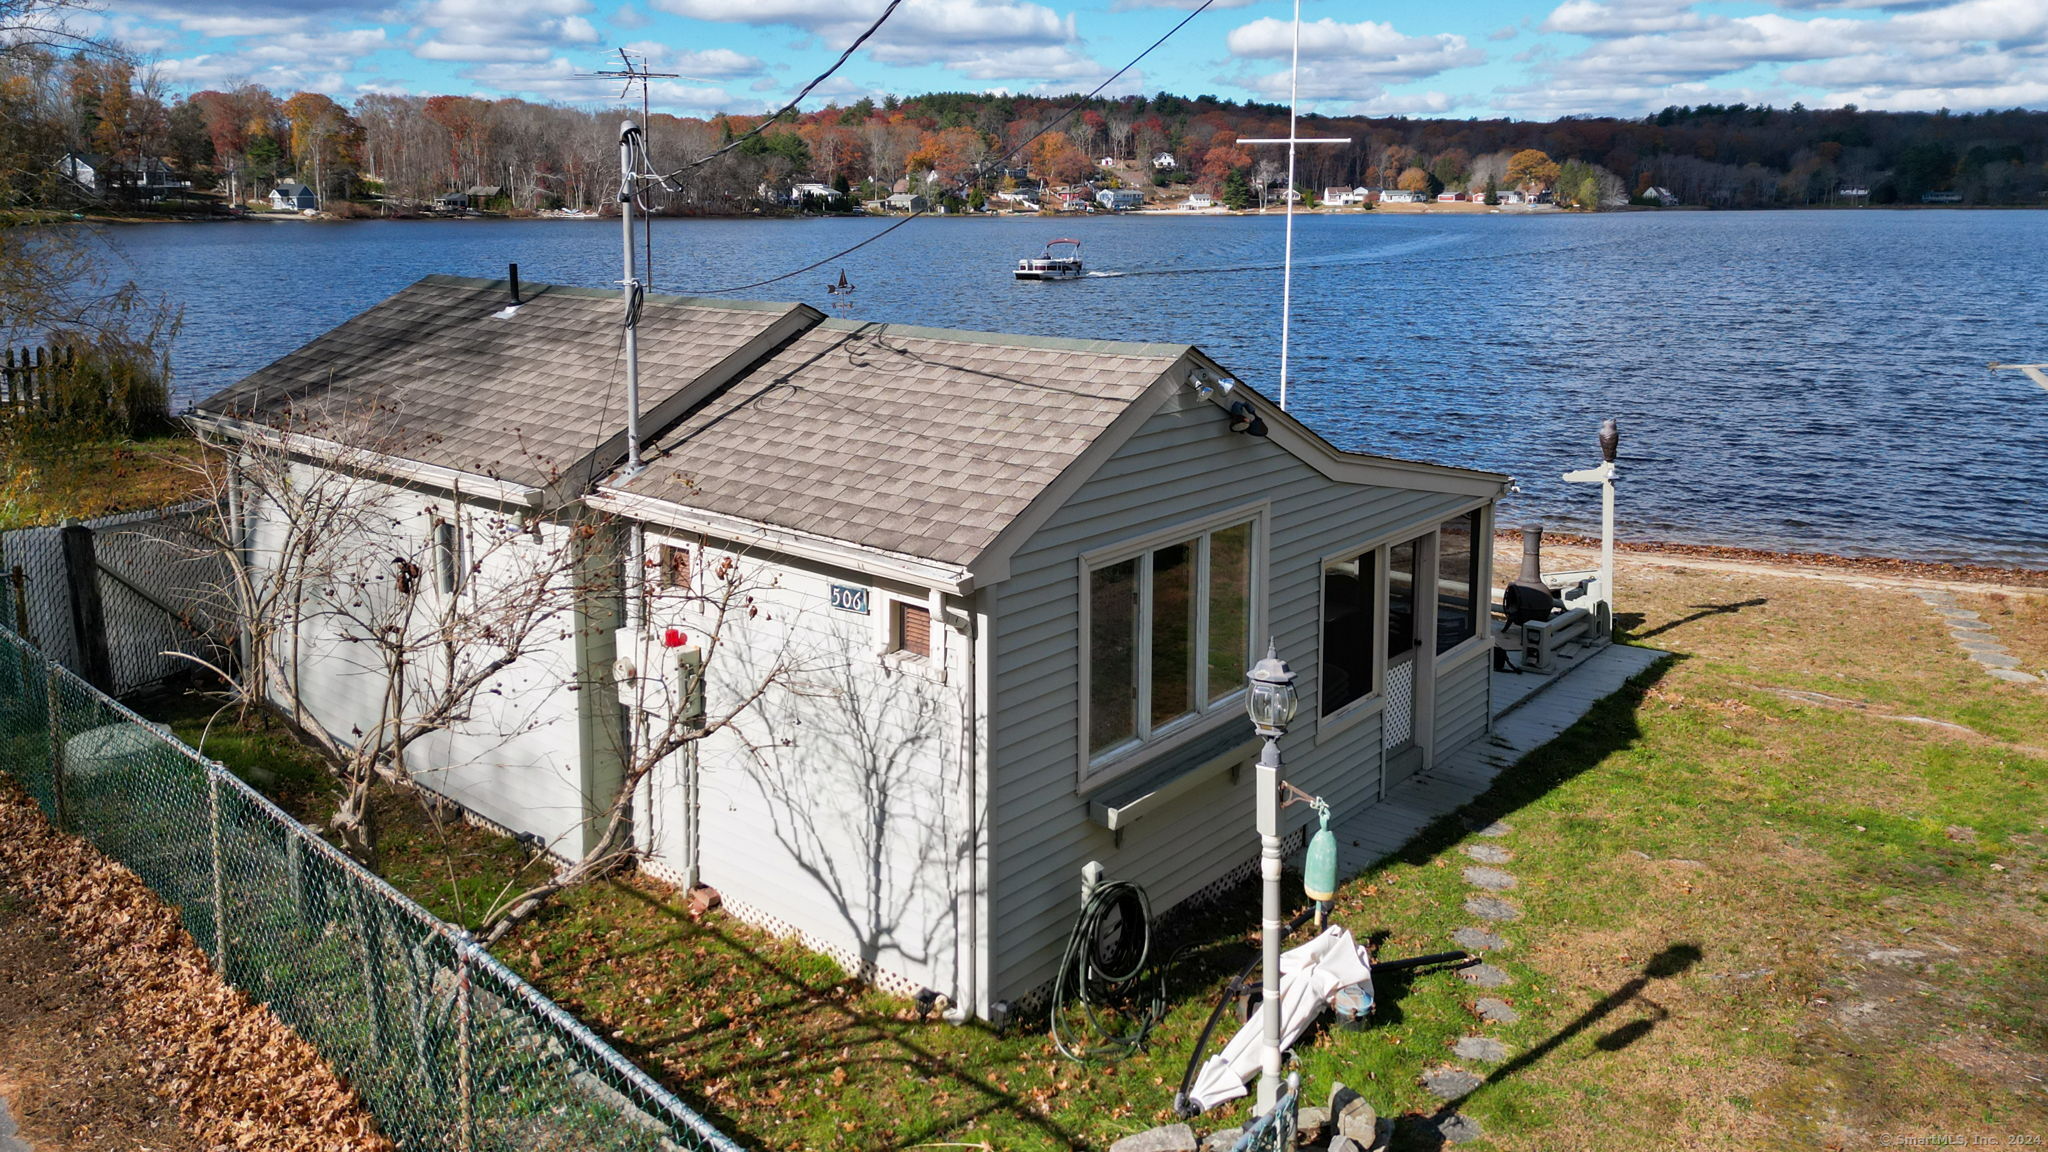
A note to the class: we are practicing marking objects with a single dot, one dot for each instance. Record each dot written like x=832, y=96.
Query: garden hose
x=1103, y=972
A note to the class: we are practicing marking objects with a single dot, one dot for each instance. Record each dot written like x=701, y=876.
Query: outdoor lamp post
x=1270, y=702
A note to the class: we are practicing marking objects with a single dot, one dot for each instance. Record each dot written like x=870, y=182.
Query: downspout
x=968, y=1006
x=632, y=593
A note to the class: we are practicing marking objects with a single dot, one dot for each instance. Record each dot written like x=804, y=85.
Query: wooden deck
x=1529, y=711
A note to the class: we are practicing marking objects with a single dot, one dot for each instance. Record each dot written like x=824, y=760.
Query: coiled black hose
x=1102, y=971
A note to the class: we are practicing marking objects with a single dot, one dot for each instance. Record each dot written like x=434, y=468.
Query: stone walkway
x=1529, y=717
x=1974, y=636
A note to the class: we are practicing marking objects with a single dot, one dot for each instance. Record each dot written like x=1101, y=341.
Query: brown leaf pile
x=240, y=1077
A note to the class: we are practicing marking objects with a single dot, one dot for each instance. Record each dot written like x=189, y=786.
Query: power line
x=981, y=170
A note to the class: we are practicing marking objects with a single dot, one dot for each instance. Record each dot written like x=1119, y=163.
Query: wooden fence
x=30, y=377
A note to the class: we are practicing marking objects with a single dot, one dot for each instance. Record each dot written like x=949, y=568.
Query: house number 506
x=848, y=599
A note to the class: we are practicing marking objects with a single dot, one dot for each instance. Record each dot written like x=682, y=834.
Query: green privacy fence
x=449, y=1049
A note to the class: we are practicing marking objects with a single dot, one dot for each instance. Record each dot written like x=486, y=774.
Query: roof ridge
x=1144, y=349
x=528, y=288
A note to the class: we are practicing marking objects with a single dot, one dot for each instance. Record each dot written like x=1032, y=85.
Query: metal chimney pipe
x=1532, y=555
x=512, y=274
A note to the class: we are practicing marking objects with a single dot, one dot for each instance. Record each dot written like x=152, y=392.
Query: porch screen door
x=1404, y=587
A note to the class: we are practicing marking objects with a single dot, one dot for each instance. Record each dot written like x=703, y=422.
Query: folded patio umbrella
x=1311, y=977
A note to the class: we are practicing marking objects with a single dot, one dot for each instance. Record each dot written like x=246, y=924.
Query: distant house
x=1022, y=201
x=799, y=192
x=98, y=176
x=1108, y=162
x=480, y=194
x=1661, y=196
x=1164, y=162
x=1200, y=202
x=1852, y=191
x=1448, y=197
x=1941, y=198
x=1120, y=199
x=907, y=202
x=292, y=196
x=1400, y=196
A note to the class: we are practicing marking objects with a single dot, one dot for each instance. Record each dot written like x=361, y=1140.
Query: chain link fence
x=449, y=1049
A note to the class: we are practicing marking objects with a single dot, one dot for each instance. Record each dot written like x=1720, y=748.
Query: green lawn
x=1785, y=891
x=98, y=478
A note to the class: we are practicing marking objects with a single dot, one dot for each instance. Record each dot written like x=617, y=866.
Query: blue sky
x=1530, y=59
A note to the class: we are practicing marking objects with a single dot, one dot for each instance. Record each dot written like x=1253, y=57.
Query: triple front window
x=1169, y=634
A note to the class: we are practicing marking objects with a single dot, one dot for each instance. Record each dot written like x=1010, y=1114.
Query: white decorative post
x=1610, y=440
x=1271, y=703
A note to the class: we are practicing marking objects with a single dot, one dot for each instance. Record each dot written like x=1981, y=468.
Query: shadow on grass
x=1701, y=612
x=1426, y=1134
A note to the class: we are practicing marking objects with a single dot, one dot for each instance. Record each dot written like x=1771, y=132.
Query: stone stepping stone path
x=1974, y=637
x=1489, y=875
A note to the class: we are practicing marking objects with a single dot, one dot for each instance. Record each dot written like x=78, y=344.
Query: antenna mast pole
x=1293, y=138
x=630, y=292
x=638, y=74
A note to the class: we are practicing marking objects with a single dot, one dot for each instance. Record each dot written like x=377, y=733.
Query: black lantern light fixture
x=1271, y=700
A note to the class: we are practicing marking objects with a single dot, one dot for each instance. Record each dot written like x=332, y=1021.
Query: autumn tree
x=324, y=140
x=1531, y=170
x=1413, y=180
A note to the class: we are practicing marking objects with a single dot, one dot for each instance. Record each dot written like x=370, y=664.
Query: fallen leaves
x=240, y=1077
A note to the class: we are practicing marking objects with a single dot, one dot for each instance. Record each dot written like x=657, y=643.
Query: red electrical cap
x=674, y=638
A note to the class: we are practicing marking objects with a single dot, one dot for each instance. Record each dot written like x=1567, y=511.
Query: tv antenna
x=633, y=70
x=1292, y=141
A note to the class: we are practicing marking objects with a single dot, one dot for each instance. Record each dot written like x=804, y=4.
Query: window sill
x=1136, y=760
x=1119, y=809
x=1350, y=716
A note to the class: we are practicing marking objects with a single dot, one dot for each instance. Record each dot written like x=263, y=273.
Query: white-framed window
x=910, y=629
x=1168, y=623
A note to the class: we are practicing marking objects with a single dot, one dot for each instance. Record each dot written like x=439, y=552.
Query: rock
x=1495, y=1011
x=1477, y=940
x=1167, y=1138
x=1458, y=1128
x=1353, y=1118
x=1492, y=908
x=2005, y=660
x=1491, y=879
x=1493, y=828
x=1222, y=1140
x=1484, y=976
x=1449, y=1083
x=1487, y=853
x=1480, y=1048
x=1345, y=1144
x=1897, y=957
x=2016, y=676
x=1309, y=1124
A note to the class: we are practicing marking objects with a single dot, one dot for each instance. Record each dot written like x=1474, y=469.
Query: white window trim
x=1092, y=772
x=1482, y=591
x=931, y=665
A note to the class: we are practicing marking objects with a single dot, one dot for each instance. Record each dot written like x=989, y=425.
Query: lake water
x=1801, y=380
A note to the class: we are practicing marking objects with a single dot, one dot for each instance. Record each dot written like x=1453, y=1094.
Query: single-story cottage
x=1017, y=583
x=1164, y=162
x=907, y=202
x=292, y=196
x=1400, y=196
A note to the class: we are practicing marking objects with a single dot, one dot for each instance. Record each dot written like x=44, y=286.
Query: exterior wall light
x=1243, y=419
x=1270, y=701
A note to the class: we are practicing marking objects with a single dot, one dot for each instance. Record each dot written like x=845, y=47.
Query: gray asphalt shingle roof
x=915, y=441
x=433, y=375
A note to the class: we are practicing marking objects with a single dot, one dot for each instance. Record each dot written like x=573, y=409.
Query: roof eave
x=396, y=467
x=919, y=571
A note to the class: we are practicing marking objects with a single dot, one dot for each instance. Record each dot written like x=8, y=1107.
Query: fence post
x=88, y=622
x=220, y=887
x=20, y=581
x=465, y=1089
x=54, y=698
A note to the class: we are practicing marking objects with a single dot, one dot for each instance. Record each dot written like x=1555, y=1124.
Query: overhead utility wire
x=764, y=125
x=980, y=170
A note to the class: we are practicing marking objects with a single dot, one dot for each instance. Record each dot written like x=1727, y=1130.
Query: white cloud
x=920, y=32
x=236, y=24
x=1367, y=48
x=712, y=63
x=491, y=32
x=1623, y=17
x=1183, y=5
x=1051, y=62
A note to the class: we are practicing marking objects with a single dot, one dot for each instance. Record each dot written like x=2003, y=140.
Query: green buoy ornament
x=1319, y=870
